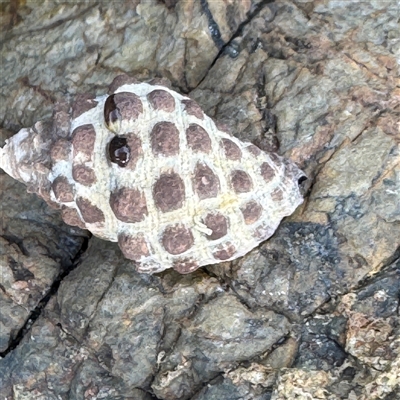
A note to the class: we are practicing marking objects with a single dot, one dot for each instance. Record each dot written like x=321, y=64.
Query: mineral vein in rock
x=145, y=167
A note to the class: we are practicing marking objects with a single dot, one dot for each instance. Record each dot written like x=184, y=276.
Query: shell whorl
x=145, y=167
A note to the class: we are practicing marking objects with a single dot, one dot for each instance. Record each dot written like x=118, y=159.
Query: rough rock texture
x=36, y=249
x=312, y=312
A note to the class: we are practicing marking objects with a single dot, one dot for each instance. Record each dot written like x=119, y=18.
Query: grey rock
x=12, y=318
x=36, y=248
x=313, y=312
x=222, y=333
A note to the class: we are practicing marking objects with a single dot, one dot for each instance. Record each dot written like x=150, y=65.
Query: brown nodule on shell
x=160, y=82
x=169, y=192
x=165, y=139
x=224, y=251
x=254, y=150
x=218, y=225
x=161, y=100
x=276, y=159
x=60, y=151
x=192, y=108
x=129, y=205
x=241, y=181
x=185, y=265
x=231, y=149
x=63, y=190
x=135, y=147
x=221, y=126
x=277, y=194
x=71, y=217
x=83, y=139
x=121, y=80
x=83, y=175
x=91, y=214
x=205, y=182
x=198, y=139
x=177, y=239
x=122, y=106
x=133, y=247
x=252, y=211
x=267, y=172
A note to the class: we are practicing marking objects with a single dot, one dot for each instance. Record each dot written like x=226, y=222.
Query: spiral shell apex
x=145, y=167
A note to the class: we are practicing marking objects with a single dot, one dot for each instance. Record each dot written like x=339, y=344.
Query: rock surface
x=311, y=313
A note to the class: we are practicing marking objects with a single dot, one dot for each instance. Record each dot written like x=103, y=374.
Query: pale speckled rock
x=365, y=324
x=302, y=384
x=240, y=383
